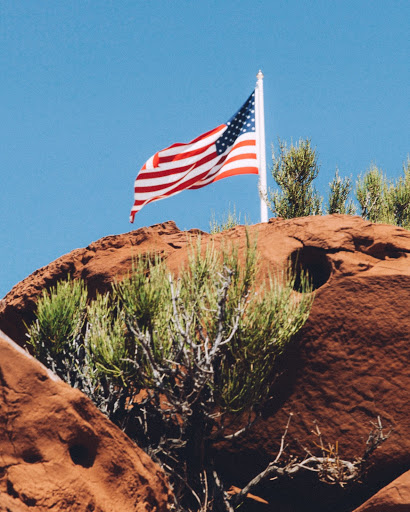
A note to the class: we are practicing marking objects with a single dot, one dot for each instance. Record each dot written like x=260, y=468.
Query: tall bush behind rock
x=372, y=192
x=295, y=169
x=399, y=198
x=339, y=201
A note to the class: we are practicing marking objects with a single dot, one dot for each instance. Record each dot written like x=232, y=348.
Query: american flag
x=227, y=150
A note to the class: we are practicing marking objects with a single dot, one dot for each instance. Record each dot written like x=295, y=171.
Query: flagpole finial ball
x=259, y=76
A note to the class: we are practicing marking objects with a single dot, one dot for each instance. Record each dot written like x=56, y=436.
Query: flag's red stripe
x=235, y=172
x=188, y=183
x=227, y=174
x=187, y=154
x=243, y=143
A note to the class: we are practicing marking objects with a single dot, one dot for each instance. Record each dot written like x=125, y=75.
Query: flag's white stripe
x=149, y=164
x=242, y=150
x=238, y=164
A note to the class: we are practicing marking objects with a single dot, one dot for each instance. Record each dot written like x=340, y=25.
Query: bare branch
x=329, y=467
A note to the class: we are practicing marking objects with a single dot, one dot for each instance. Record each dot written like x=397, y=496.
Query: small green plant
x=294, y=171
x=107, y=341
x=339, y=202
x=60, y=316
x=398, y=198
x=55, y=335
x=228, y=221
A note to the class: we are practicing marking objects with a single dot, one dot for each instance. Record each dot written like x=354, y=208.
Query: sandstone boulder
x=395, y=497
x=58, y=452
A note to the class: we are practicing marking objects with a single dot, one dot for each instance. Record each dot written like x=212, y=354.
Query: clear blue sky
x=91, y=89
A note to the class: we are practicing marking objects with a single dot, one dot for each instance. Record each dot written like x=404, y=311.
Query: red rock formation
x=58, y=452
x=350, y=362
x=395, y=497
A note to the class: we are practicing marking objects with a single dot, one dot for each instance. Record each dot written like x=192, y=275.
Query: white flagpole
x=260, y=141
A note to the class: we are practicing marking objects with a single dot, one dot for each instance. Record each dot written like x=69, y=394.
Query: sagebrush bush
x=398, y=199
x=56, y=334
x=339, y=202
x=294, y=171
x=372, y=195
x=228, y=221
x=176, y=362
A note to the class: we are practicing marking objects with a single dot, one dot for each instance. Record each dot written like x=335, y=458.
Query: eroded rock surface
x=58, y=452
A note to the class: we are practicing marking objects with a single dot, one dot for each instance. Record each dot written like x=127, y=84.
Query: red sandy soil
x=348, y=365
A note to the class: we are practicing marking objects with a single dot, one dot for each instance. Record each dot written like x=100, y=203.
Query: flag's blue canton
x=243, y=121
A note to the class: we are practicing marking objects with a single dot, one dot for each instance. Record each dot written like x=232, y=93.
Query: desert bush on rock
x=399, y=198
x=228, y=221
x=180, y=363
x=339, y=202
x=294, y=171
x=372, y=194
x=382, y=200
x=56, y=333
x=176, y=362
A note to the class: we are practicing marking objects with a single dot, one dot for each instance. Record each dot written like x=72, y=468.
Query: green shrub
x=372, y=194
x=228, y=221
x=55, y=335
x=60, y=317
x=339, y=196
x=398, y=198
x=107, y=342
x=176, y=361
x=294, y=171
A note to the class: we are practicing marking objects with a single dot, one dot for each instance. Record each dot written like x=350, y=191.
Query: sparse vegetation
x=399, y=198
x=379, y=199
x=228, y=221
x=385, y=201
